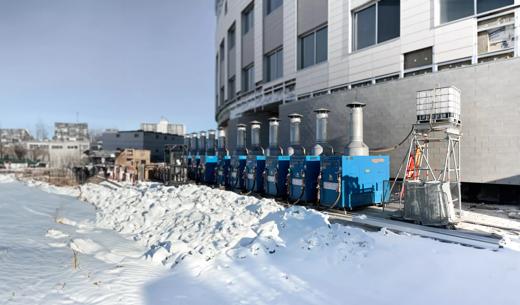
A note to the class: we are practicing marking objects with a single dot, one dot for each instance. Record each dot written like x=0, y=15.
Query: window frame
x=354, y=26
x=312, y=32
x=273, y=54
x=269, y=9
x=248, y=19
x=475, y=14
x=248, y=70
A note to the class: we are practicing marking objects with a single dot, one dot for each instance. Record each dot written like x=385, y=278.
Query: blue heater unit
x=303, y=170
x=276, y=164
x=224, y=160
x=255, y=165
x=354, y=179
x=238, y=161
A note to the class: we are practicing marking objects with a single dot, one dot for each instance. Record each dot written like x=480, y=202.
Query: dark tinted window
x=231, y=37
x=488, y=5
x=274, y=65
x=365, y=27
x=419, y=58
x=455, y=9
x=307, y=50
x=272, y=5
x=321, y=45
x=388, y=25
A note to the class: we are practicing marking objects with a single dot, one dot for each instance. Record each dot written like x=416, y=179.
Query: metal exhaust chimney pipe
x=295, y=120
x=187, y=142
x=210, y=150
x=194, y=143
x=274, y=124
x=322, y=116
x=255, y=133
x=356, y=147
x=202, y=143
x=241, y=136
x=221, y=138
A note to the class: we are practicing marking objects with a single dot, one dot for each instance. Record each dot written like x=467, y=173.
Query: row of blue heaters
x=321, y=177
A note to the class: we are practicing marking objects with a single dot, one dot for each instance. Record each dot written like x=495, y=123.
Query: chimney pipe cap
x=356, y=105
x=274, y=119
x=322, y=110
x=295, y=115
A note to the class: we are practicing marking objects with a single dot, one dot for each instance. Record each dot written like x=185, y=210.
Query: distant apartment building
x=14, y=135
x=155, y=142
x=71, y=132
x=164, y=127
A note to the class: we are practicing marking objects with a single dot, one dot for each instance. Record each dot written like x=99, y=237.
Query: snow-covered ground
x=218, y=247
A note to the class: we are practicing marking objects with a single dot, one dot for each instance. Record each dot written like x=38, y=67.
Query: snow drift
x=228, y=249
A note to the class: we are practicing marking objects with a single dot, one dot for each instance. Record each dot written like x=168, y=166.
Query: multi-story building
x=275, y=57
x=71, y=132
x=164, y=127
x=14, y=135
x=155, y=142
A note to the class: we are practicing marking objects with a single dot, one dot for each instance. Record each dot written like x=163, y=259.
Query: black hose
x=303, y=190
x=390, y=148
x=337, y=197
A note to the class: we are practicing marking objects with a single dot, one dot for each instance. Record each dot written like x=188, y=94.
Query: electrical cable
x=391, y=148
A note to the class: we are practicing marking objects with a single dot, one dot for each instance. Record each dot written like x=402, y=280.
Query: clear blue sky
x=115, y=62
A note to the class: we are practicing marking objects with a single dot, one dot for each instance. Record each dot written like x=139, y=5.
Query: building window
x=496, y=34
x=248, y=78
x=274, y=65
x=454, y=64
x=221, y=95
x=376, y=23
x=313, y=48
x=273, y=5
x=247, y=20
x=231, y=88
x=136, y=135
x=451, y=10
x=418, y=62
x=231, y=37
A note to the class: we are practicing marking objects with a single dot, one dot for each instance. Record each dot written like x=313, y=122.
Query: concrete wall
x=490, y=117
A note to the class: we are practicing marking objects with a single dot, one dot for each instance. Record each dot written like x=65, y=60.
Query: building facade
x=14, y=135
x=164, y=127
x=275, y=57
x=155, y=142
x=58, y=154
x=71, y=132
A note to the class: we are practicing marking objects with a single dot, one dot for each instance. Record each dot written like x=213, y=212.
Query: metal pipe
x=356, y=147
x=187, y=142
x=274, y=124
x=295, y=120
x=322, y=116
x=202, y=143
x=221, y=138
x=194, y=143
x=210, y=150
x=241, y=136
x=255, y=133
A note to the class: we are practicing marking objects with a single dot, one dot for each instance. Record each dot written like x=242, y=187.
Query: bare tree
x=20, y=151
x=41, y=131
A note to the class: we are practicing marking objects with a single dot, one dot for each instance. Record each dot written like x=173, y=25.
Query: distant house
x=155, y=142
x=134, y=162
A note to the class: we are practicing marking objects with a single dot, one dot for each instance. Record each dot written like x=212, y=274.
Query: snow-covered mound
x=9, y=178
x=233, y=249
x=203, y=222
